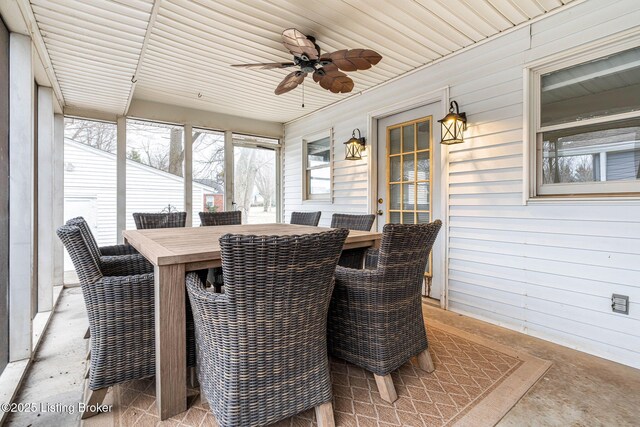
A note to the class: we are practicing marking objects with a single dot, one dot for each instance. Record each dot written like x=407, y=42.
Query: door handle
x=379, y=212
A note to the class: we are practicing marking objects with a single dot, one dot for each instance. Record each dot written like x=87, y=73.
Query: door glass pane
x=408, y=196
x=423, y=196
x=408, y=171
x=90, y=178
x=423, y=165
x=394, y=196
x=394, y=141
x=254, y=186
x=208, y=173
x=394, y=217
x=394, y=168
x=407, y=218
x=155, y=180
x=423, y=135
x=408, y=143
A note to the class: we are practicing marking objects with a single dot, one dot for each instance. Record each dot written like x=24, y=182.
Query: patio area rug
x=476, y=382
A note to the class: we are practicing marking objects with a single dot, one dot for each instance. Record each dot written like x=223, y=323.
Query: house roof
x=105, y=53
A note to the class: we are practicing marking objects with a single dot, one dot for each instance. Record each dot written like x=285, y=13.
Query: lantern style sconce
x=353, y=147
x=453, y=125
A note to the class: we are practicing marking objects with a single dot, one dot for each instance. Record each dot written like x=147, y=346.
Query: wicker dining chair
x=114, y=260
x=352, y=258
x=159, y=220
x=121, y=320
x=220, y=218
x=375, y=317
x=306, y=218
x=208, y=219
x=262, y=346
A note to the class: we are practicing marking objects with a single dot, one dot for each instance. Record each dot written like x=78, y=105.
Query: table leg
x=171, y=351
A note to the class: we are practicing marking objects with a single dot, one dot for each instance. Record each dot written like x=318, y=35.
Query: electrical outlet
x=620, y=303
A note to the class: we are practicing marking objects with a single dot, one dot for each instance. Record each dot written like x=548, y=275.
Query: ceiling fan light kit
x=325, y=68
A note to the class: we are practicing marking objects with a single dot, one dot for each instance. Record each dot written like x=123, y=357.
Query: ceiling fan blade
x=332, y=79
x=298, y=44
x=353, y=59
x=290, y=82
x=266, y=66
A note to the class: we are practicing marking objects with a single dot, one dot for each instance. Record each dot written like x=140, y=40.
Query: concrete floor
x=578, y=390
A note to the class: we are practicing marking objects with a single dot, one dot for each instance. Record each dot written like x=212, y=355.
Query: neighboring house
x=90, y=191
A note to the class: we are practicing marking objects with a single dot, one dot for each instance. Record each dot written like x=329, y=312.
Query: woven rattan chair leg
x=324, y=415
x=87, y=334
x=86, y=371
x=386, y=388
x=425, y=362
x=93, y=398
x=88, y=354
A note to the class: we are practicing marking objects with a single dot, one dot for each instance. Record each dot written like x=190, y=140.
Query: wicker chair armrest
x=132, y=279
x=358, y=279
x=117, y=250
x=215, y=302
x=125, y=265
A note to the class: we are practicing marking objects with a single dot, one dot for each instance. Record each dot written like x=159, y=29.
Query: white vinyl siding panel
x=545, y=269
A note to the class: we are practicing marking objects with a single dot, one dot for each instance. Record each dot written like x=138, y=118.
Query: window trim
x=532, y=73
x=306, y=196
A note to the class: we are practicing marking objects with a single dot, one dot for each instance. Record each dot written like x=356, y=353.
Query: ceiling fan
x=327, y=68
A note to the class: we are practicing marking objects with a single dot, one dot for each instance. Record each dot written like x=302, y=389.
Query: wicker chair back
x=159, y=220
x=262, y=344
x=220, y=218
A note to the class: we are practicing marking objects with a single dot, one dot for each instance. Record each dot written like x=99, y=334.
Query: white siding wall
x=544, y=269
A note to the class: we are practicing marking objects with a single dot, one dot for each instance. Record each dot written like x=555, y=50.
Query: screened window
x=208, y=173
x=588, y=127
x=90, y=178
x=318, y=167
x=155, y=157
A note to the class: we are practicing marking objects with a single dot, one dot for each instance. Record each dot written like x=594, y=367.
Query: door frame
x=439, y=95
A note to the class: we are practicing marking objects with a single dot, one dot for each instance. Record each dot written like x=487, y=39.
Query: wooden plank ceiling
x=107, y=52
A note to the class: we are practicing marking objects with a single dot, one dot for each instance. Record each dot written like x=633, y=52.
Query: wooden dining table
x=176, y=251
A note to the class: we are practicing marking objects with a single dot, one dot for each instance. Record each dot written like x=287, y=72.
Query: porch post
x=121, y=178
x=228, y=171
x=58, y=197
x=188, y=173
x=21, y=195
x=45, y=224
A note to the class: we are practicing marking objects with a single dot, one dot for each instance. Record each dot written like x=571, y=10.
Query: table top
x=199, y=247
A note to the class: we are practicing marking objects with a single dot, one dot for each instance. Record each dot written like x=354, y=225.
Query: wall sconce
x=453, y=125
x=354, y=146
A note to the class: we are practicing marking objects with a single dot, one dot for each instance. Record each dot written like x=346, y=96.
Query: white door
x=408, y=156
